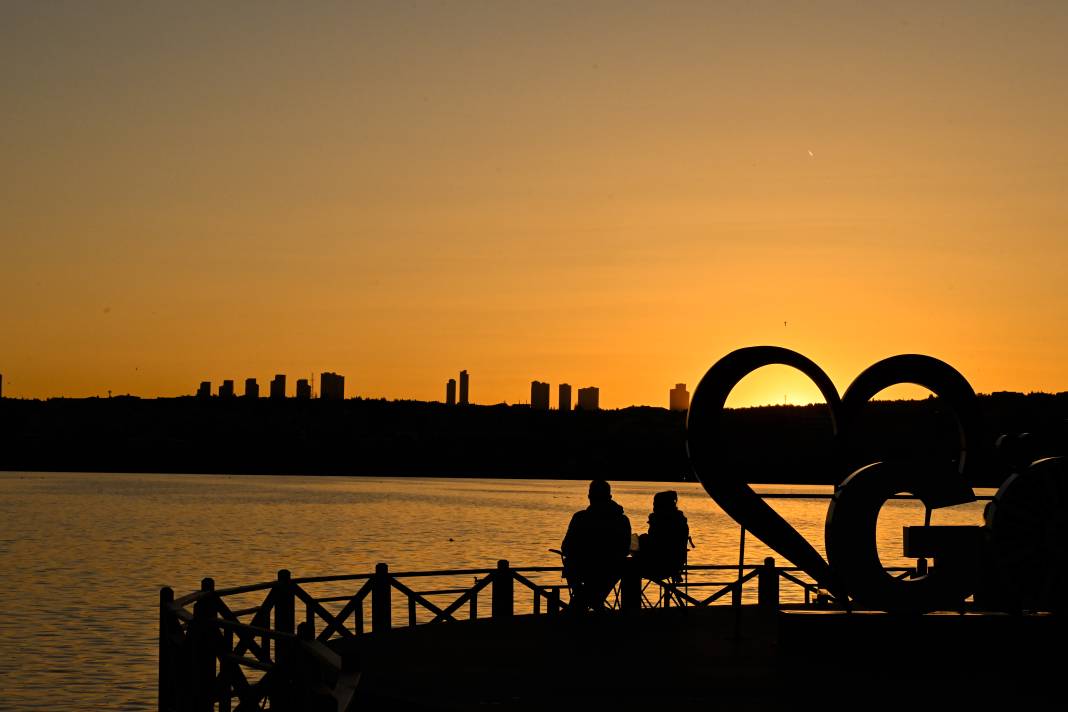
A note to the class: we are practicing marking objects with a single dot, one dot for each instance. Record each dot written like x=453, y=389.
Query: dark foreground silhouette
x=779, y=444
x=715, y=659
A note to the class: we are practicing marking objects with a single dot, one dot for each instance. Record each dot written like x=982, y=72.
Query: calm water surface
x=83, y=556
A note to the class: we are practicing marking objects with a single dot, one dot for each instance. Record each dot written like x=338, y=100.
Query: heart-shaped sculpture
x=854, y=566
x=706, y=446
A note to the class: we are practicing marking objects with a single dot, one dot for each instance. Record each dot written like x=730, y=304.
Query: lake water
x=83, y=556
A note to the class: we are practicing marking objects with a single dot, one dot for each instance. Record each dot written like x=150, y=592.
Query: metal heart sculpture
x=852, y=567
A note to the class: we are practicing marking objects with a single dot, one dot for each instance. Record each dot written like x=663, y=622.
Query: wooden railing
x=236, y=648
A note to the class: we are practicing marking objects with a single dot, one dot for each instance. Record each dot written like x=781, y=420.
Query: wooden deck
x=713, y=658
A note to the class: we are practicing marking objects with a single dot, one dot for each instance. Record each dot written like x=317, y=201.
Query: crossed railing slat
x=354, y=605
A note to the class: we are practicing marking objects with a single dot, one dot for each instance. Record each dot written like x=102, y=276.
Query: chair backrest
x=664, y=547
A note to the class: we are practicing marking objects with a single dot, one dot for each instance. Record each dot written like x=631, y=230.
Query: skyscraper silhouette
x=303, y=389
x=205, y=390
x=539, y=395
x=252, y=389
x=331, y=386
x=589, y=398
x=463, y=388
x=450, y=392
x=564, y=397
x=679, y=398
x=278, y=386
x=226, y=390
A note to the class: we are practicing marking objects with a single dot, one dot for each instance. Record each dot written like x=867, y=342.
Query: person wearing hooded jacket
x=595, y=548
x=662, y=551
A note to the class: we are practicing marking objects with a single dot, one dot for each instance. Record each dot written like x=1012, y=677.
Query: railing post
x=358, y=616
x=630, y=587
x=502, y=603
x=284, y=613
x=921, y=568
x=306, y=632
x=309, y=618
x=167, y=684
x=285, y=621
x=202, y=649
x=552, y=607
x=284, y=604
x=768, y=586
x=226, y=648
x=381, y=605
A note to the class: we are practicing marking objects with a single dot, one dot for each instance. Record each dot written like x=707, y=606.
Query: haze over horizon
x=614, y=194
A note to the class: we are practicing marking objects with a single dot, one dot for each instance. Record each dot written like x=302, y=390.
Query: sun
x=774, y=385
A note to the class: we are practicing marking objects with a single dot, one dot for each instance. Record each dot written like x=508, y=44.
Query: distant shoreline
x=356, y=437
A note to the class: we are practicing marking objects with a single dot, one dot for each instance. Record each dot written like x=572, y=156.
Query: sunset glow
x=606, y=194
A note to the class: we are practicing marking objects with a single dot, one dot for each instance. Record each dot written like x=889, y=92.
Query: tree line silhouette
x=774, y=444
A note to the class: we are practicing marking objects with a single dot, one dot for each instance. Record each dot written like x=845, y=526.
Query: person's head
x=665, y=501
x=600, y=491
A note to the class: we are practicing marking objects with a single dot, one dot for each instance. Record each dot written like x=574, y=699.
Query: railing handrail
x=744, y=573
x=180, y=605
x=195, y=596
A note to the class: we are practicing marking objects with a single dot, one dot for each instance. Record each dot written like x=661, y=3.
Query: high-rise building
x=463, y=388
x=205, y=390
x=539, y=395
x=680, y=398
x=226, y=390
x=278, y=386
x=331, y=386
x=252, y=389
x=589, y=398
x=303, y=389
x=564, y=397
x=450, y=392
x=1, y=385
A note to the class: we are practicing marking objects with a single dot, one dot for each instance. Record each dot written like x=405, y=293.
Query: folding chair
x=676, y=576
x=611, y=600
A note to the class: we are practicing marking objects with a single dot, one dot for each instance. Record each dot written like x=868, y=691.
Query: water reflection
x=84, y=555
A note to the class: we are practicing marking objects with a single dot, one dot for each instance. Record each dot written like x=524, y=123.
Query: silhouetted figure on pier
x=595, y=548
x=662, y=551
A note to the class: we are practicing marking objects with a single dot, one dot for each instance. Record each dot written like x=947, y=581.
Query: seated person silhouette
x=662, y=551
x=595, y=549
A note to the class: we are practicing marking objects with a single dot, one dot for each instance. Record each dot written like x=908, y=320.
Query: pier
x=739, y=636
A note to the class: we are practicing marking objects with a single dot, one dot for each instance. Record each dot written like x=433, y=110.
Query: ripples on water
x=84, y=555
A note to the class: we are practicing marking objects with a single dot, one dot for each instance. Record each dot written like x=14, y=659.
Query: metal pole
x=736, y=594
x=167, y=683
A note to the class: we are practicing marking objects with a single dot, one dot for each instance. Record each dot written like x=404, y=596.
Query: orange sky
x=611, y=194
